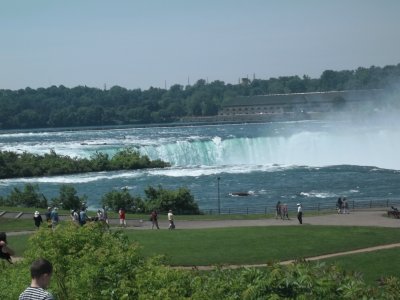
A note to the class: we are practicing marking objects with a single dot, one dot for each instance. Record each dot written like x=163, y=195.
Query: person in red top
x=122, y=220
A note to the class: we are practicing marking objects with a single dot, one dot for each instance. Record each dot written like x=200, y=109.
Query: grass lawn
x=16, y=224
x=252, y=245
x=257, y=245
x=371, y=265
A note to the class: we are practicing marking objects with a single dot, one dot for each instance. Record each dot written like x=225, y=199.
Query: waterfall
x=370, y=148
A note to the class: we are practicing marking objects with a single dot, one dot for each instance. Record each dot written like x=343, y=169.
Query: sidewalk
x=359, y=218
x=377, y=218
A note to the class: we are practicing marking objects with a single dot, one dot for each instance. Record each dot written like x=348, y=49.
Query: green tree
x=68, y=198
x=28, y=197
x=180, y=200
x=122, y=199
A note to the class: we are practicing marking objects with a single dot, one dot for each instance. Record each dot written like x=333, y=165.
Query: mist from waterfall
x=344, y=146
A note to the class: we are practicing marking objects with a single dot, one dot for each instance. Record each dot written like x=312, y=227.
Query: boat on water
x=241, y=194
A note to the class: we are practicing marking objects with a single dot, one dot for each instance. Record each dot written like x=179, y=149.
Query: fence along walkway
x=320, y=206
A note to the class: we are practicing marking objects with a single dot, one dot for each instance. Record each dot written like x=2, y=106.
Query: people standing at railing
x=345, y=206
x=285, y=212
x=339, y=205
x=278, y=209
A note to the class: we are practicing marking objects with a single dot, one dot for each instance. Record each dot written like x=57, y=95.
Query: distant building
x=299, y=103
x=295, y=107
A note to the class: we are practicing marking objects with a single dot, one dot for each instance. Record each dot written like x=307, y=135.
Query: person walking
x=154, y=219
x=48, y=217
x=75, y=216
x=300, y=213
x=122, y=220
x=105, y=214
x=5, y=251
x=54, y=217
x=171, y=220
x=83, y=216
x=41, y=272
x=37, y=218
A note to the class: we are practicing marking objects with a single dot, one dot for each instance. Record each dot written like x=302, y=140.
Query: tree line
x=180, y=201
x=85, y=106
x=15, y=165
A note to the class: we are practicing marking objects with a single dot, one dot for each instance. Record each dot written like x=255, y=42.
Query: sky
x=159, y=43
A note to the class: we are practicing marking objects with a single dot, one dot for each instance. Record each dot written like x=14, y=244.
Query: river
x=308, y=162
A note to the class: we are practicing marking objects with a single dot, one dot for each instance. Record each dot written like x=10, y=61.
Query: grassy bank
x=253, y=245
x=258, y=245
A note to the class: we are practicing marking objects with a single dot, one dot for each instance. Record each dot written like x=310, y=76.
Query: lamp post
x=219, y=202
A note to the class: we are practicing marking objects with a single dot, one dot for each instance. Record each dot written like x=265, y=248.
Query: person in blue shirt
x=54, y=217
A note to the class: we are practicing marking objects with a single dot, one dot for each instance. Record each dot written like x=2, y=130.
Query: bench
x=394, y=214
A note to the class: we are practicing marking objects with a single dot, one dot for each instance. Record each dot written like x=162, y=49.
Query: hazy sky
x=138, y=44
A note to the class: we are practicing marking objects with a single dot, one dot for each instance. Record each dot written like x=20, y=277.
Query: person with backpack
x=5, y=251
x=83, y=216
x=48, y=217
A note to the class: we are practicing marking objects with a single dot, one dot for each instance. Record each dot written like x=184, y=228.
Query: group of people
x=342, y=206
x=79, y=217
x=154, y=220
x=51, y=215
x=283, y=213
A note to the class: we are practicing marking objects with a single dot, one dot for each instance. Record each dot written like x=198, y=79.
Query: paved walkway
x=358, y=218
x=377, y=218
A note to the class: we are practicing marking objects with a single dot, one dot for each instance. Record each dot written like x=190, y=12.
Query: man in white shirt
x=171, y=220
x=300, y=213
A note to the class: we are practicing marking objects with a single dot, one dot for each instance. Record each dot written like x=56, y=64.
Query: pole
x=219, y=202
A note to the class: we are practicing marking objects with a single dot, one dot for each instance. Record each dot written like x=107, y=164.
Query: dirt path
x=287, y=262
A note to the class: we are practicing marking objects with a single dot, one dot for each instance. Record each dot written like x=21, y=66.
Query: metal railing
x=353, y=205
